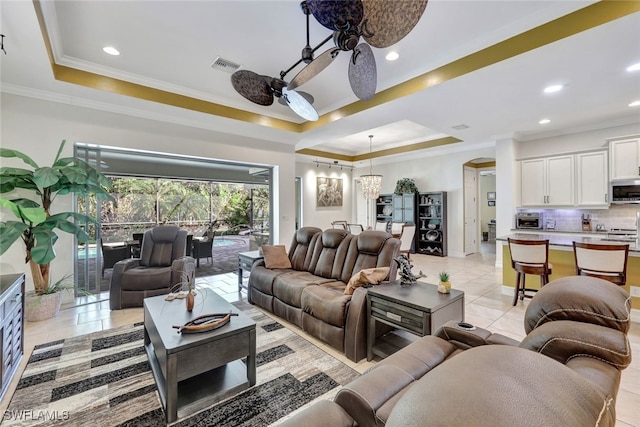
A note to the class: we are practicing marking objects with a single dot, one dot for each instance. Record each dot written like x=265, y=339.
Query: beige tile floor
x=476, y=275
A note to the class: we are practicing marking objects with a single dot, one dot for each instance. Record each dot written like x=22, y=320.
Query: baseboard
x=635, y=313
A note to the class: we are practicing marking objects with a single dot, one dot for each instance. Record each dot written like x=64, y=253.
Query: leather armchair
x=159, y=269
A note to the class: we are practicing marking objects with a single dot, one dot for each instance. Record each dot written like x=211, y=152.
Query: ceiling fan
x=381, y=23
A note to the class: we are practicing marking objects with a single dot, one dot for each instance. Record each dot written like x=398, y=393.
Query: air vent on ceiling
x=225, y=65
x=460, y=127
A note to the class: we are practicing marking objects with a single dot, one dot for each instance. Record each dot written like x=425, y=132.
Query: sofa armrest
x=355, y=330
x=363, y=397
x=116, y=280
x=322, y=414
x=465, y=337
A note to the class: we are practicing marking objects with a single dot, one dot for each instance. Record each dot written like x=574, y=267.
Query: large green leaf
x=64, y=141
x=43, y=252
x=61, y=221
x=35, y=215
x=10, y=231
x=46, y=177
x=26, y=203
x=74, y=174
x=5, y=152
x=8, y=172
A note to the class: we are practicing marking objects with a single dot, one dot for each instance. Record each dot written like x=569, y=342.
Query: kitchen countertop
x=557, y=239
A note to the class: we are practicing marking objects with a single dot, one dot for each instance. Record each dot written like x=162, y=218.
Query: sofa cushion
x=275, y=256
x=299, y=252
x=368, y=276
x=262, y=278
x=484, y=383
x=143, y=278
x=327, y=302
x=370, y=249
x=288, y=287
x=329, y=253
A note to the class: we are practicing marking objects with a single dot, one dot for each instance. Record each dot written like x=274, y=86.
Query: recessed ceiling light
x=111, y=50
x=553, y=88
x=634, y=67
x=392, y=56
x=544, y=121
x=635, y=104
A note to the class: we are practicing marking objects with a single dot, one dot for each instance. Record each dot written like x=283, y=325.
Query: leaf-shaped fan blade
x=363, y=75
x=300, y=105
x=388, y=22
x=252, y=86
x=314, y=68
x=337, y=14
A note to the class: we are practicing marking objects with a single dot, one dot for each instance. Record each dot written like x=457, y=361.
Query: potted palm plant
x=35, y=224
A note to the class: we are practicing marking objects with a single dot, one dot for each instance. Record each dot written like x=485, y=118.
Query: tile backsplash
x=617, y=216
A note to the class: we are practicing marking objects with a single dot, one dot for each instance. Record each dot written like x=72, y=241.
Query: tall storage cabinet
x=432, y=223
x=11, y=326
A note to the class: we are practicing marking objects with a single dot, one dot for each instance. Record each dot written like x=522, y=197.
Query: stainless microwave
x=625, y=191
x=529, y=220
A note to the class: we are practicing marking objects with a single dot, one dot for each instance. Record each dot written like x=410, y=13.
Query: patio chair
x=112, y=254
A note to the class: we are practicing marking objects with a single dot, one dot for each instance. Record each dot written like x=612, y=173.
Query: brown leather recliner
x=565, y=372
x=160, y=268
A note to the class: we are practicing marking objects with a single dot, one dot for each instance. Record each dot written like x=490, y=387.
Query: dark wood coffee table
x=418, y=309
x=193, y=371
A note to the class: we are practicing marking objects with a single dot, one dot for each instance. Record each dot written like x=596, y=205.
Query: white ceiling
x=170, y=45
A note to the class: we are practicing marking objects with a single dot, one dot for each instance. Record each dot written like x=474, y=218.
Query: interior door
x=470, y=210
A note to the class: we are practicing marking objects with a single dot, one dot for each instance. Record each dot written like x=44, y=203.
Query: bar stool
x=529, y=257
x=605, y=261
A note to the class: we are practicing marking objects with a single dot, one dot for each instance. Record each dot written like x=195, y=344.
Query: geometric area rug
x=104, y=379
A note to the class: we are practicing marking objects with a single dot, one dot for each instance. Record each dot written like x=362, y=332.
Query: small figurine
x=406, y=276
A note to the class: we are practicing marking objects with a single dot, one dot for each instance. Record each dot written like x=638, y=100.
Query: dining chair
x=382, y=225
x=340, y=224
x=605, y=261
x=355, y=229
x=396, y=228
x=406, y=239
x=529, y=257
x=112, y=254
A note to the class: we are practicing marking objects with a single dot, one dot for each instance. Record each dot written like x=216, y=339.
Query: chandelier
x=371, y=184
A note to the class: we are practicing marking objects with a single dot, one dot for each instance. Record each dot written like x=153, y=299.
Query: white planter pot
x=41, y=307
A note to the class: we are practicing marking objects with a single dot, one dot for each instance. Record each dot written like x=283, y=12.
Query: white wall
x=36, y=128
x=439, y=173
x=322, y=216
x=574, y=142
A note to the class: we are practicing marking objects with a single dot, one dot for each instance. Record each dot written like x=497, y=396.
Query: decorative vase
x=444, y=287
x=190, y=300
x=41, y=307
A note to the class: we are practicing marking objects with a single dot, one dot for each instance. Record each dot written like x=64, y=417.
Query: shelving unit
x=432, y=223
x=384, y=208
x=396, y=208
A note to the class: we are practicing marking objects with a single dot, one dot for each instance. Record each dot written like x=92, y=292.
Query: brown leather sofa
x=311, y=293
x=566, y=371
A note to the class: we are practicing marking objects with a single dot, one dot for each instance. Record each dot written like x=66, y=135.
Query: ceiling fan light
x=392, y=56
x=111, y=50
x=300, y=105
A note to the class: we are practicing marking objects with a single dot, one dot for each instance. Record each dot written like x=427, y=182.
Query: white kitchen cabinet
x=624, y=156
x=592, y=179
x=548, y=182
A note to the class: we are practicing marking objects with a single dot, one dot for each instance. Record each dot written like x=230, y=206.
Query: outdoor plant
x=405, y=185
x=35, y=224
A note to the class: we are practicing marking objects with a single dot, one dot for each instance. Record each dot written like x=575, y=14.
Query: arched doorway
x=479, y=188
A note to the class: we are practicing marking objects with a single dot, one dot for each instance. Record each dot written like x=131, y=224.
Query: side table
x=418, y=309
x=245, y=263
